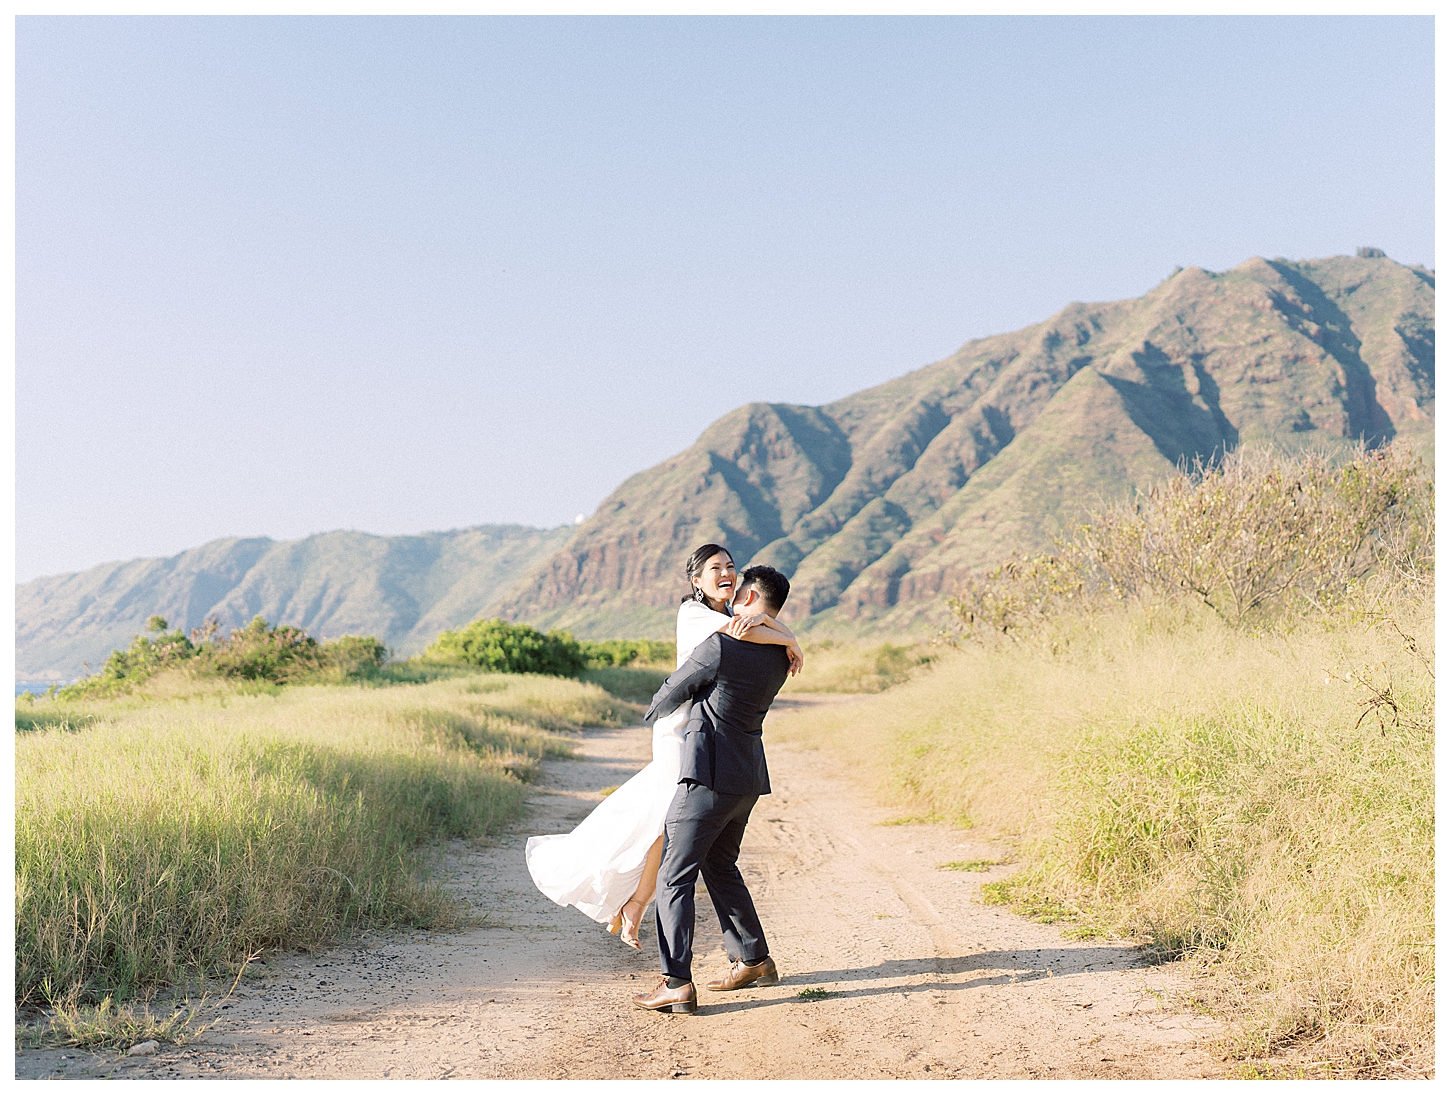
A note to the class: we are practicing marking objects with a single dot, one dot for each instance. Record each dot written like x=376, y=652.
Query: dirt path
x=923, y=980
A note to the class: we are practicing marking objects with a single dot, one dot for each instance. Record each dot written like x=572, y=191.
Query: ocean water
x=37, y=687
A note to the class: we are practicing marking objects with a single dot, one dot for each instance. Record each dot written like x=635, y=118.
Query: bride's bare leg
x=643, y=893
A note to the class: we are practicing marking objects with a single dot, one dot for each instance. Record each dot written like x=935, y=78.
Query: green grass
x=179, y=831
x=967, y=865
x=634, y=683
x=912, y=819
x=108, y=1026
x=1221, y=795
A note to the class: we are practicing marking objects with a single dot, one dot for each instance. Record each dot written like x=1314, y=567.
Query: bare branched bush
x=1254, y=536
x=1022, y=594
x=1261, y=531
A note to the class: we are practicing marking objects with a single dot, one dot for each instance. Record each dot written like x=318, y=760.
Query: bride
x=606, y=867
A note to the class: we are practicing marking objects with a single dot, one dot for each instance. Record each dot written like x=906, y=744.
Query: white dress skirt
x=597, y=867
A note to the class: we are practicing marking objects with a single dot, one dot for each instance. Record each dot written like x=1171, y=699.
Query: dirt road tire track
x=923, y=980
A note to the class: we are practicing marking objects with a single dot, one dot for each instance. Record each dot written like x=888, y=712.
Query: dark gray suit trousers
x=703, y=829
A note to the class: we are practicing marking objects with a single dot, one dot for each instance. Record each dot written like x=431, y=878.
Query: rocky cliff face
x=876, y=503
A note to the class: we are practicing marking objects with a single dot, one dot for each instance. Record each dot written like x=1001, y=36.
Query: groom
x=722, y=774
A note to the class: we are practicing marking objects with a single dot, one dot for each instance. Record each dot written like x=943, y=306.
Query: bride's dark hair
x=696, y=564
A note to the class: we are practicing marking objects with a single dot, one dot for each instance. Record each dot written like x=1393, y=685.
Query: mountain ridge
x=872, y=504
x=403, y=589
x=1325, y=350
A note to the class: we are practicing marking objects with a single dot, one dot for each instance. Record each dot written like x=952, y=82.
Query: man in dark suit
x=722, y=774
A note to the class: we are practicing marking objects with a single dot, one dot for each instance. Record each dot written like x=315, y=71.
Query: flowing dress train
x=598, y=865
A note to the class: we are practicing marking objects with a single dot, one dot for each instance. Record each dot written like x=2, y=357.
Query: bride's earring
x=699, y=595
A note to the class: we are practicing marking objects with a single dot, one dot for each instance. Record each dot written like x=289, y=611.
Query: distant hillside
x=403, y=589
x=873, y=504
x=876, y=503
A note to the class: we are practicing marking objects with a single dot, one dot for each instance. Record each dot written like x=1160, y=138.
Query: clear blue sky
x=277, y=276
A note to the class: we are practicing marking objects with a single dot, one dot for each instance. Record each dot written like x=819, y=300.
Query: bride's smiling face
x=717, y=579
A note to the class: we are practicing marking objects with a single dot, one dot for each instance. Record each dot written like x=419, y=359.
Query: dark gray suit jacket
x=733, y=684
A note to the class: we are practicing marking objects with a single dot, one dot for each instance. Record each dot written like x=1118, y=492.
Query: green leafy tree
x=509, y=648
x=260, y=652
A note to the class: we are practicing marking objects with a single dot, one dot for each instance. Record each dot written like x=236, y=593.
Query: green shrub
x=143, y=659
x=612, y=653
x=258, y=653
x=509, y=648
x=354, y=656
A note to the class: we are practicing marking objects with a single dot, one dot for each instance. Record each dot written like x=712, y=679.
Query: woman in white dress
x=606, y=867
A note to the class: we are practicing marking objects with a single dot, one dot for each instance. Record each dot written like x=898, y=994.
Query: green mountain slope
x=404, y=589
x=877, y=502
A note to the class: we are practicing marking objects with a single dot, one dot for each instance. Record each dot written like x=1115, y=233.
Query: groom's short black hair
x=772, y=584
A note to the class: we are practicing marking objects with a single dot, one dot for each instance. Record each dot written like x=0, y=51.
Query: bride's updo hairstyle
x=695, y=565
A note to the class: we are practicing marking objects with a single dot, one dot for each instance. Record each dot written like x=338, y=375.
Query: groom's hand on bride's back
x=697, y=671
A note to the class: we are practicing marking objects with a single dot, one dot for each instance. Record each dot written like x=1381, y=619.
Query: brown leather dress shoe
x=740, y=975
x=680, y=1001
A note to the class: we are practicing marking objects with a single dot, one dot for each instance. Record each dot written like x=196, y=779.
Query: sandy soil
x=923, y=980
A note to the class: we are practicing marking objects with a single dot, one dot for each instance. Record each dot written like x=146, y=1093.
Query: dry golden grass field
x=176, y=832
x=1262, y=804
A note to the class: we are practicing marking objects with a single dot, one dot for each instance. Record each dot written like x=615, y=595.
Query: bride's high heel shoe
x=629, y=929
x=615, y=925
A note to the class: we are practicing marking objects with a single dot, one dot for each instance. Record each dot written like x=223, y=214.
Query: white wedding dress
x=596, y=867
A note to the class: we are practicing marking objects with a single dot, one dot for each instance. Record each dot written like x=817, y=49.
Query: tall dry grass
x=1260, y=803
x=846, y=667
x=178, y=832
